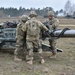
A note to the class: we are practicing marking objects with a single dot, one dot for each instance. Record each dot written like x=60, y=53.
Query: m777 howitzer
x=65, y=33
x=8, y=37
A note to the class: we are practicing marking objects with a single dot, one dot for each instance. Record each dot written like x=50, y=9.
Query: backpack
x=33, y=28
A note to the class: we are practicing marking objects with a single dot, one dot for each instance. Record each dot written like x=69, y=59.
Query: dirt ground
x=64, y=64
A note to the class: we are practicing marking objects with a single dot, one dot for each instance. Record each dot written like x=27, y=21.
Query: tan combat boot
x=27, y=57
x=17, y=59
x=30, y=62
x=42, y=61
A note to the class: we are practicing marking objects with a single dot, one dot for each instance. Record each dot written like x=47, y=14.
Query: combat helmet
x=50, y=13
x=33, y=13
x=24, y=18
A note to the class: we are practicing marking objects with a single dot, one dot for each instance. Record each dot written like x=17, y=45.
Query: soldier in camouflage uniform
x=52, y=23
x=20, y=39
x=33, y=40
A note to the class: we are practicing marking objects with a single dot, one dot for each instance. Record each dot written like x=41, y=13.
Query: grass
x=64, y=64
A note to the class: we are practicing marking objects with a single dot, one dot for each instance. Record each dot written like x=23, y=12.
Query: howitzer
x=65, y=33
x=8, y=37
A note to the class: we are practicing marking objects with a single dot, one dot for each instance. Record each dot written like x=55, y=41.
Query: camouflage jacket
x=19, y=32
x=26, y=28
x=52, y=24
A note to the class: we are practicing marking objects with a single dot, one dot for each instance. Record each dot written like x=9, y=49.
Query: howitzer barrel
x=62, y=33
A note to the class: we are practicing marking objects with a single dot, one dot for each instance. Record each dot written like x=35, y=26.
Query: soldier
x=20, y=39
x=52, y=23
x=33, y=40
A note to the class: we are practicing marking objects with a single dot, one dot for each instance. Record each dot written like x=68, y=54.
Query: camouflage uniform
x=33, y=38
x=20, y=39
x=52, y=23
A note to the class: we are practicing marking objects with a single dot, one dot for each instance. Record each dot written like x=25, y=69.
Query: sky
x=55, y=4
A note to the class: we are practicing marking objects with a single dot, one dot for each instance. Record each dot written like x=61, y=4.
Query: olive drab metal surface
x=8, y=37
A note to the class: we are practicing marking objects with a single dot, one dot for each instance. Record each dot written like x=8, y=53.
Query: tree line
x=69, y=9
x=13, y=12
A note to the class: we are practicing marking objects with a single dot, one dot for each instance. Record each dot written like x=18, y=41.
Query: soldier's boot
x=17, y=59
x=30, y=61
x=42, y=61
x=27, y=57
x=53, y=55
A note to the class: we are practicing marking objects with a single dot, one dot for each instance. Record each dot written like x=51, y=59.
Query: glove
x=48, y=33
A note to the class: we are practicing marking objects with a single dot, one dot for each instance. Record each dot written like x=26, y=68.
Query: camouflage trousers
x=35, y=44
x=20, y=50
x=52, y=43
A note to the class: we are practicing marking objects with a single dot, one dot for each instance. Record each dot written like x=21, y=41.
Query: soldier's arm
x=18, y=29
x=56, y=23
x=24, y=27
x=46, y=23
x=42, y=26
